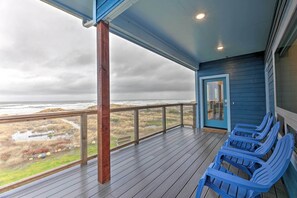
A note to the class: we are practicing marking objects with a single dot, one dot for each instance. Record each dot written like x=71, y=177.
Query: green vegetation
x=22, y=159
x=9, y=175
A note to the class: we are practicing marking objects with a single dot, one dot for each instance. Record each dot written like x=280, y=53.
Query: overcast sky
x=46, y=54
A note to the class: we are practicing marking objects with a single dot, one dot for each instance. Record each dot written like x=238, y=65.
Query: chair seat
x=242, y=134
x=231, y=159
x=242, y=145
x=247, y=166
x=231, y=190
x=238, y=131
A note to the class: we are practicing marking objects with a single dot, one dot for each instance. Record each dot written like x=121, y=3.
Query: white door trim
x=197, y=99
x=228, y=98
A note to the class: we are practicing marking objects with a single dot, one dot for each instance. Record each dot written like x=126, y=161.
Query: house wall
x=289, y=119
x=247, y=85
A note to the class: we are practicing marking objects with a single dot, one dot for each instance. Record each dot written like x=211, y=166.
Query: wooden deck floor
x=167, y=165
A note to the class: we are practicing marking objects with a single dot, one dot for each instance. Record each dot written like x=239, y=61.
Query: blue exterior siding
x=247, y=85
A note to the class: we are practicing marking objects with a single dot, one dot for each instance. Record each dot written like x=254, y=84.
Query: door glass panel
x=215, y=100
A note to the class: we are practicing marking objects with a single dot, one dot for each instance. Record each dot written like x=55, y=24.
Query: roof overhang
x=169, y=27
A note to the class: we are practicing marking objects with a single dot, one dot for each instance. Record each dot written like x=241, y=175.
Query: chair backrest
x=277, y=164
x=264, y=122
x=270, y=140
x=266, y=130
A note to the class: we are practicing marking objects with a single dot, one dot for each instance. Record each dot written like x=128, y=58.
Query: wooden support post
x=103, y=109
x=194, y=116
x=164, y=119
x=84, y=139
x=136, y=126
x=182, y=115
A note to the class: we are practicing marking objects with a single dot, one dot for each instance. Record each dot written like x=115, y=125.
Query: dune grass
x=121, y=126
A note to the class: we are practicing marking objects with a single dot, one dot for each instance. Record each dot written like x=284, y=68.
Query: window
x=286, y=69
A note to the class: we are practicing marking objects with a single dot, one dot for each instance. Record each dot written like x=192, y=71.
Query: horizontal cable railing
x=167, y=114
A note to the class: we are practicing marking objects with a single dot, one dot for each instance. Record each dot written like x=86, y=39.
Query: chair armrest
x=239, y=125
x=241, y=139
x=250, y=133
x=235, y=180
x=241, y=130
x=227, y=152
x=244, y=139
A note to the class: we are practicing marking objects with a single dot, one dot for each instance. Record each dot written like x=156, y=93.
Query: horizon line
x=23, y=101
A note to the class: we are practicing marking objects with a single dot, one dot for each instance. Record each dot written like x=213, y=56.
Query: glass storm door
x=215, y=103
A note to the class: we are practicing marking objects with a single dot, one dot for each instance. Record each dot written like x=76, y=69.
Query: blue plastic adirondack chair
x=258, y=128
x=256, y=149
x=241, y=141
x=252, y=147
x=226, y=184
x=258, y=136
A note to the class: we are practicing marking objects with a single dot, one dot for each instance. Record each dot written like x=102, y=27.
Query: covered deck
x=166, y=165
x=230, y=45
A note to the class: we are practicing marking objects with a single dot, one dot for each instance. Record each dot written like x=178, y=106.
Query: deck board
x=167, y=165
x=150, y=186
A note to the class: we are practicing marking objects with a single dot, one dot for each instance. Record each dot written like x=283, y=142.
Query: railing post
x=182, y=115
x=136, y=126
x=194, y=116
x=84, y=139
x=164, y=118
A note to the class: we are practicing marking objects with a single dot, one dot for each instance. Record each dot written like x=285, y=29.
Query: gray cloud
x=47, y=54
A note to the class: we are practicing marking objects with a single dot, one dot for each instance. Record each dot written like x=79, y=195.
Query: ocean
x=19, y=108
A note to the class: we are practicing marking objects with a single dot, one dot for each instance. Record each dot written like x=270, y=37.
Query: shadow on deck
x=167, y=165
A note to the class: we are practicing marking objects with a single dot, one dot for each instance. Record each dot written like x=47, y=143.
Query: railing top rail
x=63, y=114
x=149, y=107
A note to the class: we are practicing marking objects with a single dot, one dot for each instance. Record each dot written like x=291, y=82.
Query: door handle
x=225, y=103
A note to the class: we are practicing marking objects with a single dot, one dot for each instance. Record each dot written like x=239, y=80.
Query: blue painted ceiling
x=242, y=27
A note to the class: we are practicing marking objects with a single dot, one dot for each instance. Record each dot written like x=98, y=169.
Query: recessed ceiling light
x=200, y=16
x=220, y=48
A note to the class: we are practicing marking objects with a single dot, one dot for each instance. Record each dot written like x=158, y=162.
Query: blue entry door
x=215, y=103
